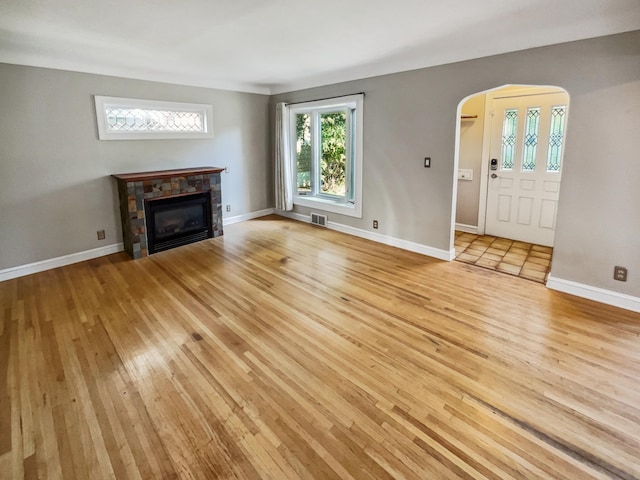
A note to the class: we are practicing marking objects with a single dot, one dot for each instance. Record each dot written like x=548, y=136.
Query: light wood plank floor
x=287, y=351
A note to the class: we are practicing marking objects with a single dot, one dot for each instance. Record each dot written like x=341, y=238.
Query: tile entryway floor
x=525, y=260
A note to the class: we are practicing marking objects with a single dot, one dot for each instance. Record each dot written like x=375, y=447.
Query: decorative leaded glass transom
x=151, y=120
x=556, y=138
x=509, y=131
x=531, y=139
x=141, y=119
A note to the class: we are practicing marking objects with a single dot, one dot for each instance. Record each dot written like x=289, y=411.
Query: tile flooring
x=525, y=260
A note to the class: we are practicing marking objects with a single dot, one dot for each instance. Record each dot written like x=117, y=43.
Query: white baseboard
x=22, y=270
x=461, y=227
x=601, y=295
x=447, y=255
x=247, y=216
x=394, y=242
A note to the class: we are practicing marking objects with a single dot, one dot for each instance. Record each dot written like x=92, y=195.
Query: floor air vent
x=319, y=219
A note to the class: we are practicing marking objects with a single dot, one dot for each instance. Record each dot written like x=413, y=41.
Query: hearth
x=176, y=221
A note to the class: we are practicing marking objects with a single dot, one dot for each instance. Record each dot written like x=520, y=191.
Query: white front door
x=527, y=142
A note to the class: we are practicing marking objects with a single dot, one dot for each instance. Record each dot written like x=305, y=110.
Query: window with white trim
x=326, y=152
x=136, y=119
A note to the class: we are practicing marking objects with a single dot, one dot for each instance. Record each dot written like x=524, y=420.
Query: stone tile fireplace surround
x=134, y=189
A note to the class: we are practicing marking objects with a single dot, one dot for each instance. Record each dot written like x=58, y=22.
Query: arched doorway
x=508, y=164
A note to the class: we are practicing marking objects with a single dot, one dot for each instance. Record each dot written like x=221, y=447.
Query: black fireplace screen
x=176, y=221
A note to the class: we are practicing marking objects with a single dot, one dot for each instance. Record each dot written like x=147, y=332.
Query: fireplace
x=176, y=221
x=165, y=209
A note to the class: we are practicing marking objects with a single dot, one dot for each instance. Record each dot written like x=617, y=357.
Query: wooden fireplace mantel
x=179, y=172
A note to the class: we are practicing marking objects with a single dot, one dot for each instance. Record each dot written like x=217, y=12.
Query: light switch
x=465, y=174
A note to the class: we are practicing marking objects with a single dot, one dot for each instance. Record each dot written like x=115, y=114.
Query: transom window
x=136, y=119
x=326, y=151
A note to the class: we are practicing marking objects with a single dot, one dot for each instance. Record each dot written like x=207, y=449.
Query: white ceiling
x=272, y=46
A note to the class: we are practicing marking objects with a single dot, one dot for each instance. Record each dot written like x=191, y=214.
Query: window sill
x=328, y=205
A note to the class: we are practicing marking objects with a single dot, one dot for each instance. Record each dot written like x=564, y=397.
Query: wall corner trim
x=621, y=300
x=440, y=254
x=41, y=266
x=247, y=216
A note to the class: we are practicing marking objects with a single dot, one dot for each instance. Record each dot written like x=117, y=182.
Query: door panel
x=527, y=139
x=548, y=214
x=504, y=208
x=527, y=185
x=525, y=209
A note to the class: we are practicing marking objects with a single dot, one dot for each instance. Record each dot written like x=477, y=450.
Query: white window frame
x=319, y=201
x=102, y=103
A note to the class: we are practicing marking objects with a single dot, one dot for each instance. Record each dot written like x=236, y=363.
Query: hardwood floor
x=287, y=351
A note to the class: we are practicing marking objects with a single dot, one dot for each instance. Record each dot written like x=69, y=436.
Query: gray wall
x=410, y=115
x=56, y=189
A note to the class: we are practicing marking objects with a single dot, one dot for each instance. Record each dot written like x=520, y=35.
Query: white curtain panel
x=284, y=173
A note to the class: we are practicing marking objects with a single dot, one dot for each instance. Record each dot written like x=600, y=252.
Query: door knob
x=494, y=175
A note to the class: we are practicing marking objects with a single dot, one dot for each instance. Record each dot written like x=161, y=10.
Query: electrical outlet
x=375, y=224
x=620, y=273
x=228, y=208
x=101, y=235
x=226, y=169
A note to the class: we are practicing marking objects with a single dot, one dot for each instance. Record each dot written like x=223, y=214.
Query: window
x=509, y=131
x=556, y=137
x=326, y=151
x=134, y=119
x=531, y=139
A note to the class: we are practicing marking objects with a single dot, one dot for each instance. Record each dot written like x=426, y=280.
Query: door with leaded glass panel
x=525, y=170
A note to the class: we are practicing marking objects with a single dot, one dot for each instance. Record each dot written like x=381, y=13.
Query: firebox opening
x=176, y=221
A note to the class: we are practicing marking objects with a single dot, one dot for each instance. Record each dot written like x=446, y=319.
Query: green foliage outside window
x=333, y=160
x=303, y=132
